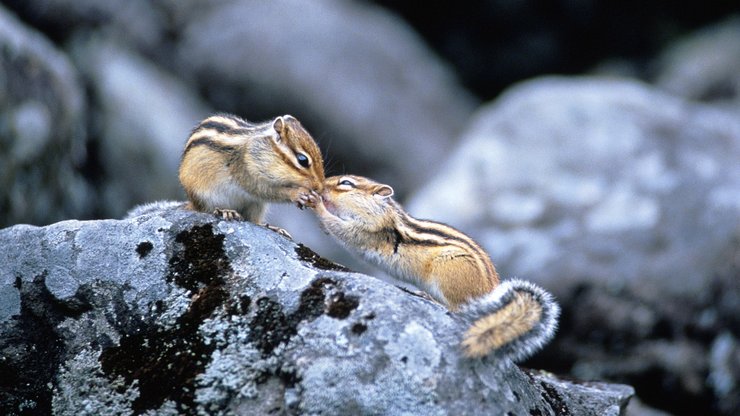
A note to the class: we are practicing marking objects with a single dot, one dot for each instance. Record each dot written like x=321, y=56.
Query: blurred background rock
x=616, y=185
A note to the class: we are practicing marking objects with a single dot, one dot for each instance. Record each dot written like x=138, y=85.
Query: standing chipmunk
x=514, y=319
x=232, y=167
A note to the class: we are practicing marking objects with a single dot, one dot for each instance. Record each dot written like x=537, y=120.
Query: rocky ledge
x=178, y=312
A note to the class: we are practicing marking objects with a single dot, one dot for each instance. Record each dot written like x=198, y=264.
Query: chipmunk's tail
x=515, y=320
x=152, y=207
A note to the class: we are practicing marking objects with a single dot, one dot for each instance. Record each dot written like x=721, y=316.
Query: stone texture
x=41, y=129
x=177, y=312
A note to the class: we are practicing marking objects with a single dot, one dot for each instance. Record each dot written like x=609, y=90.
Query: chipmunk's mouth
x=332, y=209
x=330, y=206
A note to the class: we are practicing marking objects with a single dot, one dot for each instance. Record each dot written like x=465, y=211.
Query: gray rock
x=704, y=65
x=637, y=408
x=358, y=77
x=565, y=180
x=724, y=371
x=582, y=398
x=177, y=312
x=143, y=118
x=42, y=122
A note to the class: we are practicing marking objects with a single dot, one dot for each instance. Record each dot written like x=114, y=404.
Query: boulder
x=178, y=312
x=42, y=129
x=703, y=65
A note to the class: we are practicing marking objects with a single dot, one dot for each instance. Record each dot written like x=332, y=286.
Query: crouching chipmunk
x=232, y=168
x=512, y=319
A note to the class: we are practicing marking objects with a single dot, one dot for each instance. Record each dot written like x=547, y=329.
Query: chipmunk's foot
x=427, y=296
x=228, y=214
x=421, y=294
x=278, y=230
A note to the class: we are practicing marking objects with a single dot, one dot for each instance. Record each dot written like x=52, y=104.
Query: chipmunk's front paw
x=228, y=214
x=278, y=230
x=307, y=199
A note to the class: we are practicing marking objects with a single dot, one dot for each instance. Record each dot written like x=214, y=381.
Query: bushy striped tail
x=515, y=320
x=152, y=207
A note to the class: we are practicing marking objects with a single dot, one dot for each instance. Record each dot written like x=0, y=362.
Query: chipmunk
x=514, y=319
x=232, y=167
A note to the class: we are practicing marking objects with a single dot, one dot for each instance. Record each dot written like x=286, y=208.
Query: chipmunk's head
x=357, y=202
x=297, y=158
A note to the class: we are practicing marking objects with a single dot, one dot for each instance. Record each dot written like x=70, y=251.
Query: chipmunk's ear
x=279, y=125
x=383, y=190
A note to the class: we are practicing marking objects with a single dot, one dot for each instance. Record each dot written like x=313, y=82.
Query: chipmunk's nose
x=325, y=195
x=318, y=186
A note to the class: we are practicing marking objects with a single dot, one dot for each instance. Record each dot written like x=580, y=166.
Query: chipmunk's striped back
x=450, y=265
x=431, y=234
x=224, y=133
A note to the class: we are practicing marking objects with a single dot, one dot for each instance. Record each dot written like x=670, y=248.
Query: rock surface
x=177, y=312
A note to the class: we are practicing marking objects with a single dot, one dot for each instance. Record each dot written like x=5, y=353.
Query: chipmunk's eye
x=302, y=160
x=347, y=182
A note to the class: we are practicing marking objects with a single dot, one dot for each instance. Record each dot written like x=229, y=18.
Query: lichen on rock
x=177, y=312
